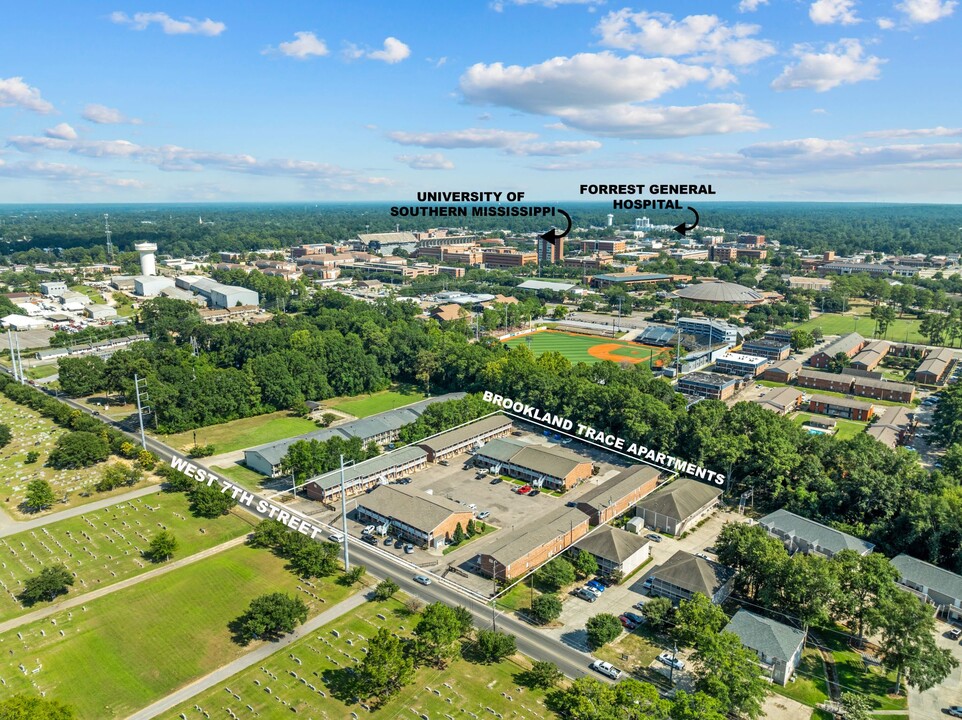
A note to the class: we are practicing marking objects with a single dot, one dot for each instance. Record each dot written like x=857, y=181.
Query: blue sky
x=252, y=101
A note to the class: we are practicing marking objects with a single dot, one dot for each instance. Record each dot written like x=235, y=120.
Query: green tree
x=209, y=502
x=492, y=646
x=560, y=312
x=857, y=706
x=354, y=575
x=162, y=546
x=695, y=706
x=602, y=629
x=385, y=668
x=543, y=674
x=385, y=590
x=471, y=528
x=116, y=475
x=728, y=671
x=658, y=613
x=32, y=457
x=546, y=608
x=437, y=634
x=270, y=616
x=78, y=449
x=556, y=574
x=802, y=340
x=46, y=585
x=267, y=534
x=465, y=620
x=883, y=315
x=755, y=555
x=864, y=583
x=5, y=435
x=908, y=643
x=590, y=699
x=31, y=707
x=39, y=495
x=314, y=559
x=458, y=537
x=584, y=562
x=803, y=586
x=81, y=375
x=697, y=620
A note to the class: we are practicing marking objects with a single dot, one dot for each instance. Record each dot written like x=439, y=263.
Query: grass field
x=41, y=371
x=874, y=682
x=102, y=555
x=579, y=348
x=901, y=330
x=364, y=405
x=93, y=293
x=128, y=649
x=462, y=687
x=243, y=476
x=32, y=432
x=629, y=652
x=810, y=687
x=244, y=433
x=845, y=429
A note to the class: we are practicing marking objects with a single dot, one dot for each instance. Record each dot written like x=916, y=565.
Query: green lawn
x=821, y=715
x=873, y=682
x=488, y=529
x=364, y=405
x=845, y=429
x=901, y=330
x=810, y=687
x=518, y=597
x=128, y=649
x=461, y=687
x=111, y=549
x=244, y=433
x=41, y=371
x=576, y=347
x=93, y=293
x=244, y=476
x=630, y=652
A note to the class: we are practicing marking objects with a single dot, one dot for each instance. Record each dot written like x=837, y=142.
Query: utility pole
x=347, y=558
x=13, y=357
x=141, y=409
x=671, y=670
x=23, y=379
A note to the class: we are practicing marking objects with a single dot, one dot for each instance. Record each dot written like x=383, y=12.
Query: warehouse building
x=615, y=496
x=935, y=367
x=381, y=428
x=845, y=408
x=931, y=584
x=883, y=390
x=100, y=312
x=819, y=380
x=784, y=372
x=708, y=385
x=849, y=344
x=871, y=355
x=741, y=365
x=534, y=544
x=217, y=294
x=53, y=288
x=770, y=348
x=462, y=439
x=678, y=506
x=683, y=575
x=615, y=550
x=803, y=535
x=366, y=475
x=778, y=646
x=151, y=285
x=412, y=515
x=552, y=468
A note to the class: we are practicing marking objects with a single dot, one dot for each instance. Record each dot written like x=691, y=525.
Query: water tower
x=148, y=264
x=611, y=220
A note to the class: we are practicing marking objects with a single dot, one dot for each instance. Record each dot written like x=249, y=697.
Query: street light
x=671, y=668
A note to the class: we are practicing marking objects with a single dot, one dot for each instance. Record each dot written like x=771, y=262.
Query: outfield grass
x=576, y=347
x=810, y=687
x=845, y=429
x=900, y=330
x=33, y=432
x=461, y=687
x=104, y=547
x=244, y=433
x=128, y=649
x=364, y=405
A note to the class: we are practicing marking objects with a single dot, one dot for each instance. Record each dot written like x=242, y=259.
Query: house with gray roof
x=678, y=506
x=849, y=344
x=415, y=516
x=615, y=496
x=542, y=466
x=778, y=646
x=462, y=439
x=932, y=584
x=683, y=575
x=803, y=535
x=615, y=550
x=382, y=428
x=533, y=544
x=362, y=476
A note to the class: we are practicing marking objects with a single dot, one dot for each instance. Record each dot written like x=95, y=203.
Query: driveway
x=777, y=707
x=928, y=705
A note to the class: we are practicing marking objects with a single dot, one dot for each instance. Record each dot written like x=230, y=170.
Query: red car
x=524, y=490
x=628, y=623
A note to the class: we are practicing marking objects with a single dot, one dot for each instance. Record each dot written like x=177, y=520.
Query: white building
x=150, y=286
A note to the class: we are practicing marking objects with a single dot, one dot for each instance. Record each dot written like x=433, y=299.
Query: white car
x=422, y=579
x=484, y=514
x=336, y=537
x=671, y=662
x=368, y=530
x=606, y=669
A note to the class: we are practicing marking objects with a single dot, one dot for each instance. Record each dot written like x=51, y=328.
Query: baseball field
x=586, y=348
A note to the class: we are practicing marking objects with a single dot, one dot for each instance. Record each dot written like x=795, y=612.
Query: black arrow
x=553, y=234
x=682, y=228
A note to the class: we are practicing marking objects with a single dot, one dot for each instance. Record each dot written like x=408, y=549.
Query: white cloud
x=304, y=45
x=819, y=111
x=842, y=63
x=62, y=132
x=59, y=172
x=169, y=25
x=556, y=149
x=498, y=5
x=636, y=121
x=103, y=115
x=926, y=11
x=430, y=161
x=394, y=51
x=705, y=38
x=470, y=138
x=750, y=5
x=831, y=12
x=14, y=92
x=885, y=23
x=919, y=132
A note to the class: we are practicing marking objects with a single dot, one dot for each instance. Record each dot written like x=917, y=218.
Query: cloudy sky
x=373, y=100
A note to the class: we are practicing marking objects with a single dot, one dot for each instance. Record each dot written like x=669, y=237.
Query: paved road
x=259, y=655
x=928, y=705
x=100, y=592
x=9, y=526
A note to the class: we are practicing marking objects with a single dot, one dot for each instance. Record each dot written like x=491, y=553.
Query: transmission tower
x=110, y=245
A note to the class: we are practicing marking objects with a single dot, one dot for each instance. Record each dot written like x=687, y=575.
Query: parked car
x=596, y=585
x=523, y=490
x=954, y=633
x=444, y=462
x=627, y=623
x=484, y=514
x=671, y=662
x=606, y=581
x=336, y=537
x=606, y=669
x=647, y=583
x=389, y=541
x=635, y=618
x=408, y=549
x=368, y=530
x=404, y=481
x=654, y=537
x=639, y=606
x=369, y=539
x=586, y=594
x=533, y=493
x=593, y=591
x=494, y=481
x=703, y=556
x=422, y=579
x=954, y=711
